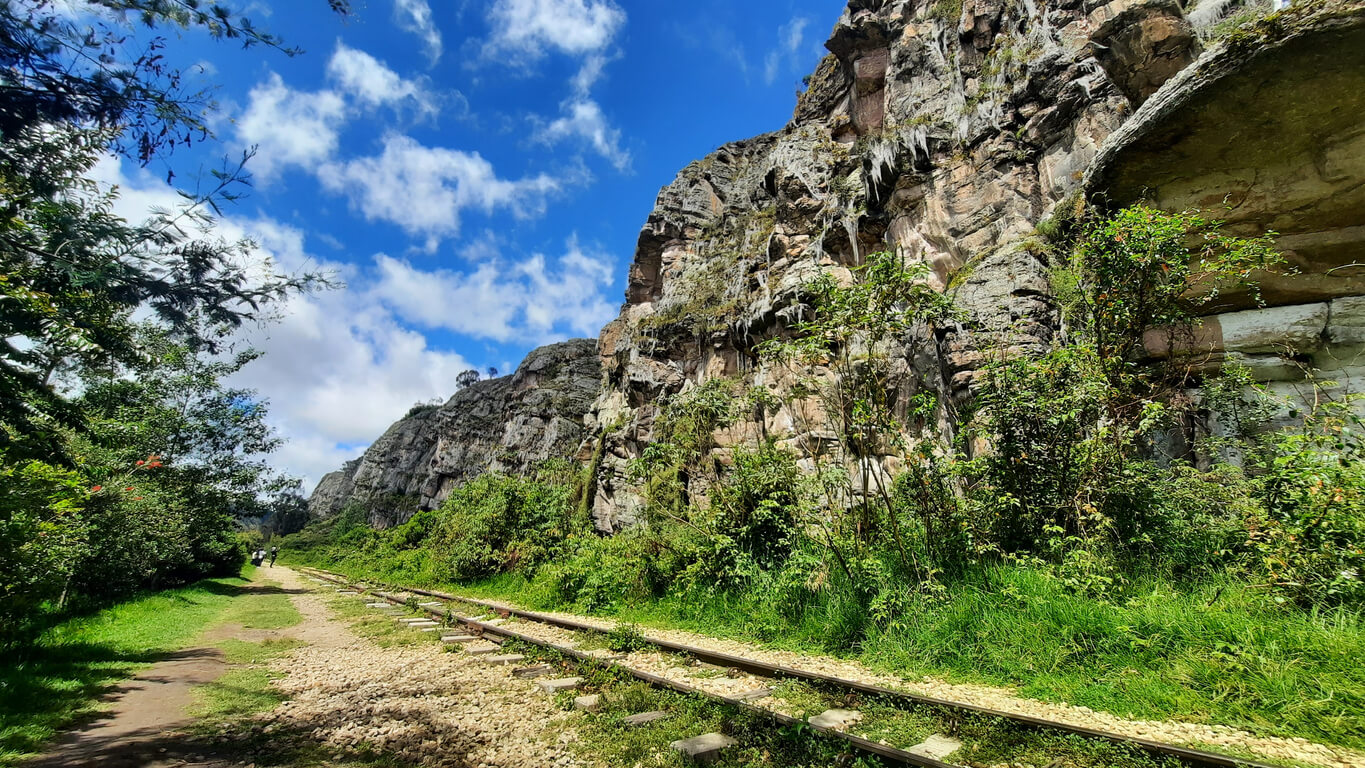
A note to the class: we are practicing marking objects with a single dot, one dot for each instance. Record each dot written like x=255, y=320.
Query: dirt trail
x=143, y=726
x=350, y=702
x=144, y=710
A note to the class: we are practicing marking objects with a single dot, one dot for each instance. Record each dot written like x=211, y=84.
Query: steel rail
x=1188, y=755
x=867, y=745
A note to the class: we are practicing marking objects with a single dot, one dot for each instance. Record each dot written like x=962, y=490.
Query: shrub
x=498, y=523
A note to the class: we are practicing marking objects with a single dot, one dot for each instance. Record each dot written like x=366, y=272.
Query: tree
x=59, y=70
x=133, y=479
x=72, y=272
x=851, y=332
x=492, y=372
x=287, y=513
x=466, y=378
x=179, y=458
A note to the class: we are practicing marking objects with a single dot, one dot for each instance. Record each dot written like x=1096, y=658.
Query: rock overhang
x=1266, y=131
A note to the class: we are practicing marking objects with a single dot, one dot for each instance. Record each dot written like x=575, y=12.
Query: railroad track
x=766, y=670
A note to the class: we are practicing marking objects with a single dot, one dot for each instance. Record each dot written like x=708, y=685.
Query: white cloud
x=340, y=366
x=289, y=127
x=369, y=82
x=538, y=299
x=789, y=36
x=573, y=27
x=423, y=189
x=528, y=29
x=301, y=128
x=588, y=74
x=583, y=120
x=415, y=16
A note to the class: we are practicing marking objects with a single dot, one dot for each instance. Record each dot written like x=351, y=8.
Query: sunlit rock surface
x=946, y=133
x=509, y=424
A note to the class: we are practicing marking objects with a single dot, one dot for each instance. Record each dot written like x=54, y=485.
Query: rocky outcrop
x=942, y=136
x=510, y=424
x=945, y=135
x=1265, y=132
x=332, y=491
x=946, y=132
x=515, y=423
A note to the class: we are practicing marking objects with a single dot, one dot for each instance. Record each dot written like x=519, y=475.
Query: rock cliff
x=508, y=424
x=946, y=132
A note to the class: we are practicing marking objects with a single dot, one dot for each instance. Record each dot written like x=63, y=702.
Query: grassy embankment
x=1215, y=652
x=55, y=682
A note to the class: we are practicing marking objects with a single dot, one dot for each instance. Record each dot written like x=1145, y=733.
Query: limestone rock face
x=1144, y=46
x=516, y=422
x=945, y=133
x=946, y=139
x=332, y=490
x=509, y=424
x=1266, y=132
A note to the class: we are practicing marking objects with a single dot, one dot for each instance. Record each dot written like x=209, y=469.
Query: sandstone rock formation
x=946, y=135
x=945, y=132
x=1266, y=132
x=509, y=424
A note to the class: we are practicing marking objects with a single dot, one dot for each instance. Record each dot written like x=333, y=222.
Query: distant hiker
x=257, y=557
x=274, y=553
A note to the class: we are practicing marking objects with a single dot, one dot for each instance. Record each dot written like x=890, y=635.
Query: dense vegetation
x=125, y=460
x=1083, y=530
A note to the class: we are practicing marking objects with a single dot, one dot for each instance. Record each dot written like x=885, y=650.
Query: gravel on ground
x=413, y=702
x=1218, y=737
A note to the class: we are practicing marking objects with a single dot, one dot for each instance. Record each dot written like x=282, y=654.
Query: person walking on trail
x=274, y=553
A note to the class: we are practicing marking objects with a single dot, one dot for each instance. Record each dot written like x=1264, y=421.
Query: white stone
x=503, y=659
x=936, y=747
x=704, y=748
x=838, y=719
x=559, y=684
x=590, y=703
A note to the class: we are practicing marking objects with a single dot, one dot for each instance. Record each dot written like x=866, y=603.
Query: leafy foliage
x=125, y=461
x=1142, y=270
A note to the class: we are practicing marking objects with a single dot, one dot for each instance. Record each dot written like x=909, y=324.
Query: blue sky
x=475, y=172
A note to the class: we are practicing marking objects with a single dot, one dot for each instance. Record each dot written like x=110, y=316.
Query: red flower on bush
x=96, y=489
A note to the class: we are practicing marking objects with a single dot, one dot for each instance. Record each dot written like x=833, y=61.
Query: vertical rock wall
x=944, y=134
x=510, y=424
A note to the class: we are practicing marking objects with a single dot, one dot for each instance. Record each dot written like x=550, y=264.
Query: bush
x=42, y=539
x=497, y=523
x=1310, y=538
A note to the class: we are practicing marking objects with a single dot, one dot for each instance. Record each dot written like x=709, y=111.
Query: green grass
x=54, y=682
x=239, y=693
x=1216, y=652
x=242, y=652
x=378, y=627
x=268, y=607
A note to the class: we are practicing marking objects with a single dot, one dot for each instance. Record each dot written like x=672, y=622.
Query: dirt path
x=144, y=710
x=350, y=701
x=143, y=726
